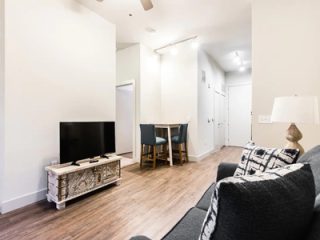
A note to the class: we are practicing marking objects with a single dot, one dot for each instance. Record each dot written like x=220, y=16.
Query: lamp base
x=293, y=137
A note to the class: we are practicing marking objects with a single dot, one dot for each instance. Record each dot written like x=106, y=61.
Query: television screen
x=81, y=140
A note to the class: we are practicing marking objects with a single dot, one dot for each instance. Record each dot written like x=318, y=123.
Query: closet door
x=219, y=123
x=239, y=114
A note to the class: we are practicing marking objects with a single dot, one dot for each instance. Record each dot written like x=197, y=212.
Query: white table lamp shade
x=295, y=109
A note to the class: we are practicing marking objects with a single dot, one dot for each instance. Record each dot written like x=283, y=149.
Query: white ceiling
x=223, y=26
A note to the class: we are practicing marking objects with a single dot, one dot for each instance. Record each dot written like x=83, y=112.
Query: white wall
x=179, y=76
x=140, y=64
x=1, y=98
x=150, y=86
x=128, y=64
x=286, y=60
x=215, y=80
x=238, y=77
x=60, y=66
x=128, y=71
x=124, y=119
x=185, y=97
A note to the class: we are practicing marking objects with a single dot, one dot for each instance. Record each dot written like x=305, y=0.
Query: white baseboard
x=22, y=201
x=201, y=156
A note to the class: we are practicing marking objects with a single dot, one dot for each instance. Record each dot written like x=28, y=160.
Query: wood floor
x=147, y=202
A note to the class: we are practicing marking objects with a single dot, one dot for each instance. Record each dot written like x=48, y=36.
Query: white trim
x=135, y=112
x=125, y=83
x=239, y=84
x=202, y=156
x=24, y=200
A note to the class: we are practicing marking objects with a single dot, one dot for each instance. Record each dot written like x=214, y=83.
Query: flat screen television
x=82, y=140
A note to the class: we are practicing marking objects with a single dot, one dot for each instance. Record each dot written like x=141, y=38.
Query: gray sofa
x=189, y=227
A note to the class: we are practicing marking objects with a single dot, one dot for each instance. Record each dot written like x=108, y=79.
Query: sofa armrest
x=226, y=170
x=140, y=238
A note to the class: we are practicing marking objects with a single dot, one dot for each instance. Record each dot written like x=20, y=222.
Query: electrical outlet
x=265, y=119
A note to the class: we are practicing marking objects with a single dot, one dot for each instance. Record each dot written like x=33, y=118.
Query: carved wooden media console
x=66, y=182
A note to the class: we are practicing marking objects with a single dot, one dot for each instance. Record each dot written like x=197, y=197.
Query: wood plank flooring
x=147, y=202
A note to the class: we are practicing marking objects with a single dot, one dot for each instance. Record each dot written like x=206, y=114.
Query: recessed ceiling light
x=130, y=14
x=237, y=59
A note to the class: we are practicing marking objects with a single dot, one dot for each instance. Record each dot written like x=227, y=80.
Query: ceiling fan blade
x=147, y=4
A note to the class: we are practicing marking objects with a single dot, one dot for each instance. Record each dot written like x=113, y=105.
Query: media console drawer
x=66, y=182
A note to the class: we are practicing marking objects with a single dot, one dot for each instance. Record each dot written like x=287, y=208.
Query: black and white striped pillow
x=256, y=158
x=276, y=204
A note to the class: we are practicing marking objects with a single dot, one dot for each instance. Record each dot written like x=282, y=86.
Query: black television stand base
x=75, y=164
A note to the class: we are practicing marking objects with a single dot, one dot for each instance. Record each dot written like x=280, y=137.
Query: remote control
x=93, y=160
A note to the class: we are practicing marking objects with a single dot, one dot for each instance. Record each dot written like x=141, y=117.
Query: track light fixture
x=172, y=46
x=239, y=61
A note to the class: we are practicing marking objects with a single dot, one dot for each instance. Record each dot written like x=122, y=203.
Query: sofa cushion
x=189, y=227
x=313, y=158
x=140, y=237
x=277, y=204
x=226, y=170
x=204, y=202
x=256, y=158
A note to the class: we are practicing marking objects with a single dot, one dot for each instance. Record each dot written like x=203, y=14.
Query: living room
x=63, y=61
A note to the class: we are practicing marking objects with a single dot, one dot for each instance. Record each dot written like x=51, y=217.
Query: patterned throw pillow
x=256, y=158
x=276, y=204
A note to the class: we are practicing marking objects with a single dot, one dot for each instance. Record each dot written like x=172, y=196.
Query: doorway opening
x=125, y=123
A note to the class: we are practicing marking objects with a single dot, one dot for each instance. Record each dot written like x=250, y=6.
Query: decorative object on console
x=295, y=109
x=277, y=204
x=256, y=158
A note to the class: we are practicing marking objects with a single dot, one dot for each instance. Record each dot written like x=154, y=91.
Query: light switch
x=266, y=119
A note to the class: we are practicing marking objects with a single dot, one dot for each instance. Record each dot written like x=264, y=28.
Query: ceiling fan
x=146, y=4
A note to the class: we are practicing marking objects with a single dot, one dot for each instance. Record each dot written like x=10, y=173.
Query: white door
x=239, y=114
x=210, y=117
x=124, y=119
x=219, y=123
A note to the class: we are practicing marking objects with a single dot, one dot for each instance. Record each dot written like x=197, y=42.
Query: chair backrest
x=148, y=134
x=183, y=132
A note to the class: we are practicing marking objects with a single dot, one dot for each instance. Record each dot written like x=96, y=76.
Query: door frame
x=215, y=140
x=134, y=122
x=246, y=83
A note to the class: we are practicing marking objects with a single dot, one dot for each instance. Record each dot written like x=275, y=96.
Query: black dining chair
x=181, y=141
x=149, y=145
